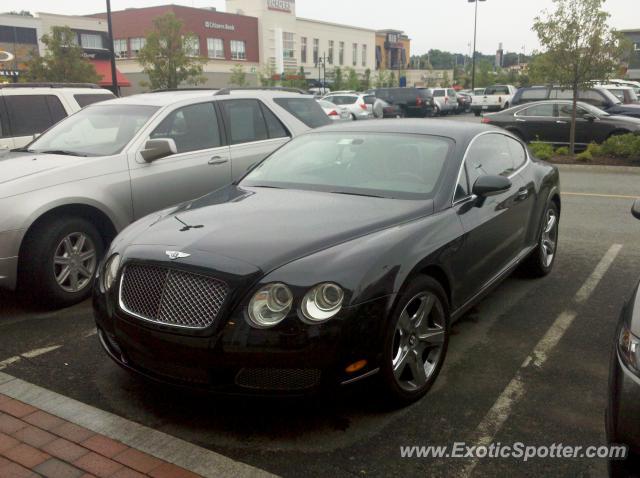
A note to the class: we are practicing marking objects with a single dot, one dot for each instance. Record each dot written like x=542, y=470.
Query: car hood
x=19, y=165
x=271, y=227
x=620, y=119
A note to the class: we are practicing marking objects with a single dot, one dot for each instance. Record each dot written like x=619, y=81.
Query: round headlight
x=110, y=271
x=322, y=302
x=270, y=305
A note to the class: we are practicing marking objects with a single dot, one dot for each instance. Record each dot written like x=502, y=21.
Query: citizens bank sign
x=220, y=26
x=280, y=5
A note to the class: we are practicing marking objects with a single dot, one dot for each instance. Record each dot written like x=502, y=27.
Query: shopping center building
x=633, y=36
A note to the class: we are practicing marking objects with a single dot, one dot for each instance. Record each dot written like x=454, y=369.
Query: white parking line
x=496, y=417
x=28, y=355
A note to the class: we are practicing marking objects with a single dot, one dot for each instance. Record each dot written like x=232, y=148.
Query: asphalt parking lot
x=529, y=364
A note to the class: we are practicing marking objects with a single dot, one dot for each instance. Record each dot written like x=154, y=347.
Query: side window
x=462, y=188
x=193, y=128
x=562, y=94
x=86, y=99
x=489, y=155
x=438, y=93
x=534, y=94
x=245, y=121
x=593, y=97
x=274, y=127
x=518, y=154
x=544, y=110
x=32, y=114
x=567, y=110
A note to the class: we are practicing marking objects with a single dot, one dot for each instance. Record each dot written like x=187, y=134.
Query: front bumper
x=623, y=411
x=290, y=359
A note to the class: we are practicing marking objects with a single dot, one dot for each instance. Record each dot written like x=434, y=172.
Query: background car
x=28, y=109
x=626, y=94
x=596, y=96
x=550, y=122
x=493, y=98
x=623, y=408
x=464, y=102
x=444, y=100
x=406, y=102
x=412, y=222
x=95, y=172
x=360, y=106
x=335, y=112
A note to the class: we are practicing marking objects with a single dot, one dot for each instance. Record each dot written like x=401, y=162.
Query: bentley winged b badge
x=173, y=255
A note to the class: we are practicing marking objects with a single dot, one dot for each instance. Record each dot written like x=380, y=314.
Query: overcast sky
x=441, y=24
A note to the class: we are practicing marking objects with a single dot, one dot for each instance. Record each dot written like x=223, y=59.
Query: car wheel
x=506, y=106
x=353, y=117
x=59, y=261
x=541, y=260
x=436, y=110
x=416, y=342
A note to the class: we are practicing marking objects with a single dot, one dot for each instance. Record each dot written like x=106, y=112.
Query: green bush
x=540, y=150
x=562, y=151
x=586, y=155
x=622, y=146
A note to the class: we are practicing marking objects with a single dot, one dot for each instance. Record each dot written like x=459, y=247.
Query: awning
x=103, y=69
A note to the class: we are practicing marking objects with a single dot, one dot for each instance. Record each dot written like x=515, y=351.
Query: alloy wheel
x=418, y=342
x=549, y=237
x=74, y=262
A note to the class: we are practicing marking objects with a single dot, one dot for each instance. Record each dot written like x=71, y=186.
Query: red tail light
x=333, y=113
x=419, y=101
x=485, y=120
x=363, y=106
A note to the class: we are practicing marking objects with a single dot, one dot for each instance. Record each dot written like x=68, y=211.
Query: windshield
x=403, y=166
x=100, y=130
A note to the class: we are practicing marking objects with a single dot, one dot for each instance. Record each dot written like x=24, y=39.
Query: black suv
x=597, y=96
x=412, y=102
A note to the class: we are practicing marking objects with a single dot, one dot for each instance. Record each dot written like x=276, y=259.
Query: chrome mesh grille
x=278, y=378
x=171, y=297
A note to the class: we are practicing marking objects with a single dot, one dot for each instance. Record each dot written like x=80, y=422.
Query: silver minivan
x=66, y=195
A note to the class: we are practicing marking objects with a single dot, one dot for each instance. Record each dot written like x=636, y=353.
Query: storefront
x=633, y=71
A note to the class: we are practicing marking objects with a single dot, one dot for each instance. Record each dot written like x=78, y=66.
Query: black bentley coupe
x=344, y=255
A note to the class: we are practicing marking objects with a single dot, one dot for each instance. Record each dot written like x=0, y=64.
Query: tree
x=165, y=57
x=238, y=76
x=266, y=76
x=353, y=82
x=366, y=80
x=337, y=78
x=445, y=80
x=63, y=60
x=580, y=47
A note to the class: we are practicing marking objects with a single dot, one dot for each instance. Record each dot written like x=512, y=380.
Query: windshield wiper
x=359, y=194
x=62, y=151
x=263, y=186
x=24, y=149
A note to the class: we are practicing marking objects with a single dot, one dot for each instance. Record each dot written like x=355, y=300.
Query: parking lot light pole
x=114, y=78
x=473, y=56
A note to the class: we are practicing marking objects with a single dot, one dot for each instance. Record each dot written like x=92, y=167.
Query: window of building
x=341, y=53
x=32, y=114
x=191, y=45
x=288, y=45
x=215, y=47
x=636, y=46
x=355, y=54
x=364, y=55
x=303, y=49
x=18, y=35
x=316, y=50
x=330, y=58
x=120, y=48
x=91, y=40
x=136, y=45
x=238, y=50
x=393, y=38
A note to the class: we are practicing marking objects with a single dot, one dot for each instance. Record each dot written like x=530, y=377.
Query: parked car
x=626, y=94
x=346, y=254
x=623, y=409
x=464, y=102
x=550, y=122
x=95, y=172
x=28, y=109
x=596, y=96
x=360, y=106
x=493, y=98
x=408, y=102
x=633, y=84
x=444, y=100
x=335, y=112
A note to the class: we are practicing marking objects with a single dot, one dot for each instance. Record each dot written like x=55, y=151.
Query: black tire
x=537, y=265
x=506, y=106
x=393, y=394
x=436, y=110
x=37, y=276
x=353, y=117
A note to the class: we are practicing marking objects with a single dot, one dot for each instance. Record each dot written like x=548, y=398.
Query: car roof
x=617, y=86
x=165, y=98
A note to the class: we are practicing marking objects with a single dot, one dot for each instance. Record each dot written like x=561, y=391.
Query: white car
x=494, y=98
x=360, y=106
x=335, y=112
x=28, y=109
x=445, y=101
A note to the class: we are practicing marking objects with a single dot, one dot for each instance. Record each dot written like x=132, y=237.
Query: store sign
x=220, y=26
x=6, y=56
x=280, y=5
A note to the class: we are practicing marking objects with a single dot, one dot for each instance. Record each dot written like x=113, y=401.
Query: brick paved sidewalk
x=34, y=443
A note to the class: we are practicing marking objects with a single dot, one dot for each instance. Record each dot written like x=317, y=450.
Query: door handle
x=521, y=120
x=217, y=160
x=561, y=122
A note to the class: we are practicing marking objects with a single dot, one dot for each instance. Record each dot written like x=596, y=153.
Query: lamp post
x=114, y=78
x=473, y=57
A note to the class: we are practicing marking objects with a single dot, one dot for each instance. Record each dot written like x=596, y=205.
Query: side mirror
x=635, y=209
x=158, y=148
x=490, y=186
x=588, y=117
